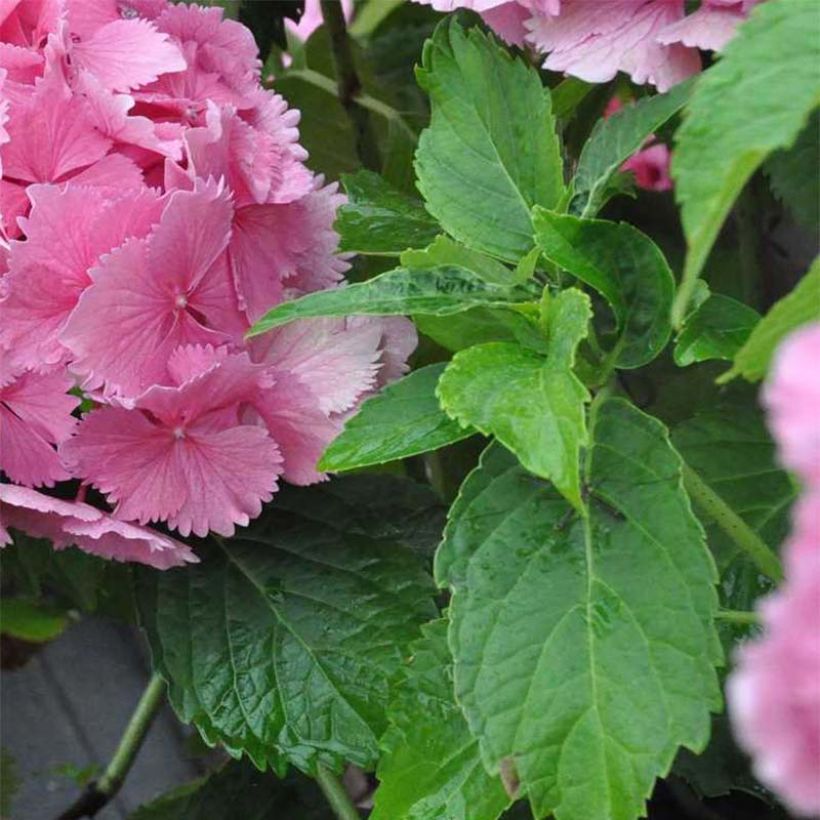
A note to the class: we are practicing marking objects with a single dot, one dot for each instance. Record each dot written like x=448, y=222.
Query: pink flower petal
x=151, y=296
x=651, y=168
x=85, y=17
x=35, y=413
x=792, y=397
x=710, y=27
x=301, y=430
x=337, y=360
x=125, y=54
x=68, y=230
x=68, y=523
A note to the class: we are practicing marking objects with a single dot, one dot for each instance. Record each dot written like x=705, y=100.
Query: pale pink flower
x=67, y=232
x=74, y=523
x=35, y=415
x=152, y=295
x=711, y=26
x=792, y=398
x=183, y=455
x=774, y=691
x=25, y=26
x=311, y=19
x=86, y=17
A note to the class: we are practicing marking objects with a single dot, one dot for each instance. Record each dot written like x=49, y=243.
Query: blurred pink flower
x=74, y=523
x=792, y=398
x=710, y=27
x=651, y=168
x=311, y=19
x=774, y=691
x=651, y=40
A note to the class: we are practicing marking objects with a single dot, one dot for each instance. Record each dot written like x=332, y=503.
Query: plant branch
x=732, y=524
x=734, y=616
x=349, y=84
x=102, y=791
x=336, y=794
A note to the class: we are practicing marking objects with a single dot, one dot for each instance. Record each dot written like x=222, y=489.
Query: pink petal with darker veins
x=74, y=523
x=151, y=296
x=68, y=230
x=182, y=454
x=335, y=359
x=35, y=414
x=126, y=54
x=302, y=431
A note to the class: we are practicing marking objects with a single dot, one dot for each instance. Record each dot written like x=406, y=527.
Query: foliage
x=555, y=642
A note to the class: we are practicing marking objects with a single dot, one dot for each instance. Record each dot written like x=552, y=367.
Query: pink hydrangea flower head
x=68, y=230
x=792, y=398
x=74, y=523
x=35, y=415
x=710, y=27
x=183, y=455
x=152, y=295
x=774, y=691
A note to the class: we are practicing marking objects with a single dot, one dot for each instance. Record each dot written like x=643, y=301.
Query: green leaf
x=717, y=329
x=794, y=177
x=615, y=139
x=405, y=419
x=239, y=792
x=625, y=266
x=738, y=115
x=430, y=766
x=533, y=404
x=478, y=325
x=584, y=646
x=731, y=451
x=281, y=643
x=439, y=291
x=378, y=219
x=799, y=307
x=444, y=251
x=30, y=621
x=490, y=152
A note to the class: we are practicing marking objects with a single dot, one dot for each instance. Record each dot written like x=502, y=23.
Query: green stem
x=734, y=616
x=732, y=524
x=349, y=84
x=102, y=791
x=147, y=708
x=336, y=794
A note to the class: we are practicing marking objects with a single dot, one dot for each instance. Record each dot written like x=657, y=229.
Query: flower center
x=181, y=301
x=179, y=433
x=128, y=12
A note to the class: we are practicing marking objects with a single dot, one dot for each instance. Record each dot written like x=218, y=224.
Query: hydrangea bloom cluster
x=654, y=41
x=774, y=692
x=154, y=202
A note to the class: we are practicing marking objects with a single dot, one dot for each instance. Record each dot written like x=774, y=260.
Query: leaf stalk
x=336, y=794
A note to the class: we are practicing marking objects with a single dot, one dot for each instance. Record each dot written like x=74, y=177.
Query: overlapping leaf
x=615, y=139
x=584, y=646
x=625, y=266
x=533, y=404
x=280, y=644
x=738, y=115
x=438, y=291
x=378, y=219
x=801, y=306
x=403, y=420
x=444, y=251
x=430, y=766
x=490, y=152
x=716, y=329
